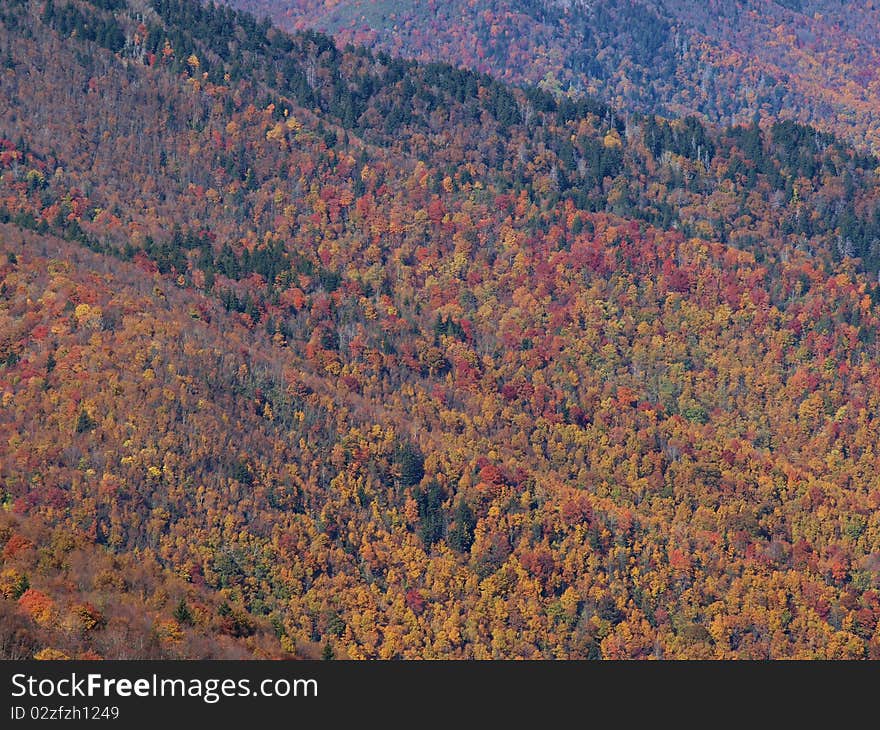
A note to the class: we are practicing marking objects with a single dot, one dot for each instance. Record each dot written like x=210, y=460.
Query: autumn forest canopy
x=307, y=349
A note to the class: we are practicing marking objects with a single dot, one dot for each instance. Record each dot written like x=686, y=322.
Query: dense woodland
x=812, y=61
x=311, y=351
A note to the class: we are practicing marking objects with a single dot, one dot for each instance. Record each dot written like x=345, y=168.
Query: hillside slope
x=398, y=359
x=75, y=407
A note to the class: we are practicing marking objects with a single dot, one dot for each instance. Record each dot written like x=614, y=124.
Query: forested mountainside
x=62, y=592
x=813, y=61
x=372, y=358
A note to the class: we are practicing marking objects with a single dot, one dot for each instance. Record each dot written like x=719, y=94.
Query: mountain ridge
x=812, y=62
